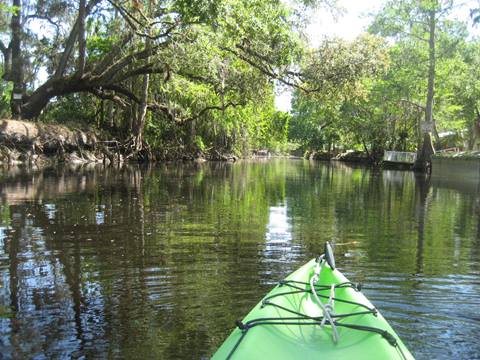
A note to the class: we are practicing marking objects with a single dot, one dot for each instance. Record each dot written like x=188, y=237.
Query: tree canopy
x=179, y=76
x=428, y=87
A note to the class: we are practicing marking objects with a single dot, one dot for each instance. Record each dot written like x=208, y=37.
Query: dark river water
x=159, y=262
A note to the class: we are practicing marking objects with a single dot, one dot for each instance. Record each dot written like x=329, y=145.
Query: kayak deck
x=286, y=324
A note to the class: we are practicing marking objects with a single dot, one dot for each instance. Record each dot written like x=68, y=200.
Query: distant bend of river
x=159, y=262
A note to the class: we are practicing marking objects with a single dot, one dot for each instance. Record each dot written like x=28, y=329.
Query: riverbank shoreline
x=26, y=143
x=34, y=143
x=41, y=144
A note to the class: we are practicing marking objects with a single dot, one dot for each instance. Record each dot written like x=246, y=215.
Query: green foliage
x=383, y=110
x=198, y=10
x=211, y=74
x=338, y=65
x=75, y=109
x=98, y=45
x=198, y=143
x=7, y=9
x=335, y=112
x=5, y=93
x=311, y=124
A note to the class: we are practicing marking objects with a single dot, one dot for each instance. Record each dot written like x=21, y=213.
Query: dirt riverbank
x=40, y=144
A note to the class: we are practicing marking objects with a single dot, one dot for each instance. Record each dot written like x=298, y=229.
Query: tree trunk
x=81, y=38
x=74, y=36
x=475, y=132
x=111, y=120
x=31, y=106
x=35, y=103
x=436, y=136
x=7, y=61
x=142, y=112
x=142, y=108
x=366, y=150
x=425, y=152
x=474, y=135
x=16, y=70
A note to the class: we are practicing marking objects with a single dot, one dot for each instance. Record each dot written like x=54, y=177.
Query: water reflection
x=279, y=235
x=50, y=211
x=278, y=227
x=159, y=262
x=100, y=214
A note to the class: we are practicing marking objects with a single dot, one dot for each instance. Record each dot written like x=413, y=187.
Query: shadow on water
x=160, y=261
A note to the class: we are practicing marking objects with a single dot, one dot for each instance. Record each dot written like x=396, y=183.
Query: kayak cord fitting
x=328, y=308
x=328, y=317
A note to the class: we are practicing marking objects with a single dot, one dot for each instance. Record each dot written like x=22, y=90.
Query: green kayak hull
x=291, y=338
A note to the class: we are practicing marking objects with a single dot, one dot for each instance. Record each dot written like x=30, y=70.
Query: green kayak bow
x=315, y=313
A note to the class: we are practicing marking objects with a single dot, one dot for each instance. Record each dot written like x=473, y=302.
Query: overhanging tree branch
x=129, y=18
x=146, y=69
x=82, y=42
x=261, y=67
x=109, y=75
x=42, y=17
x=212, y=107
x=112, y=54
x=72, y=37
x=108, y=96
x=121, y=90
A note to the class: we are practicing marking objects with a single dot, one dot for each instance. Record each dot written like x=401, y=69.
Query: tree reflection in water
x=159, y=262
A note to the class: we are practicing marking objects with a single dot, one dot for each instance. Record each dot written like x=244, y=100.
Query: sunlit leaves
x=339, y=65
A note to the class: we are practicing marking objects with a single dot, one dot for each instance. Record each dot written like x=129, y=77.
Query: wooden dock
x=399, y=157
